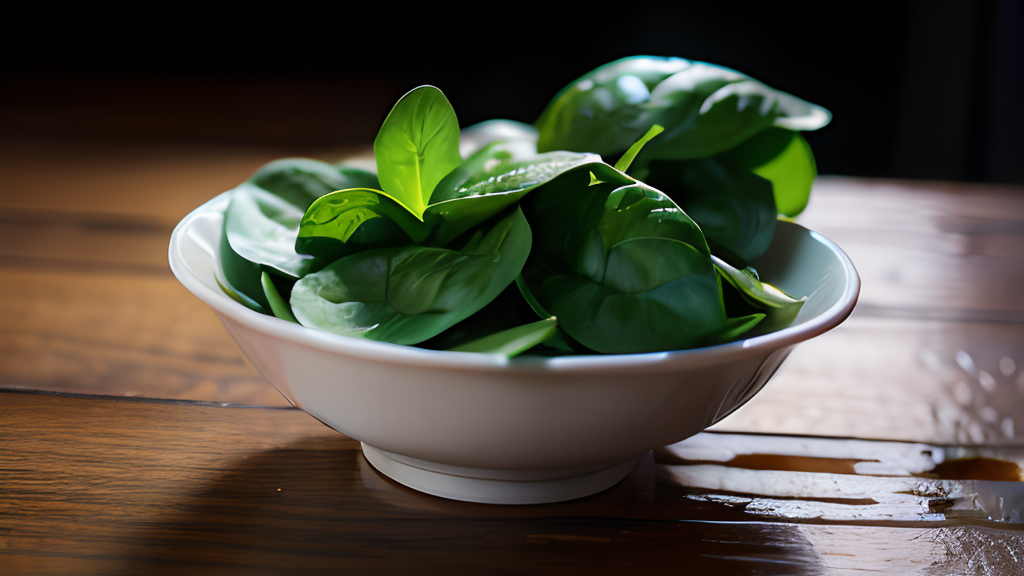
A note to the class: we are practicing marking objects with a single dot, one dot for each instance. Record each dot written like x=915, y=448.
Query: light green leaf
x=781, y=308
x=280, y=308
x=513, y=341
x=785, y=159
x=347, y=221
x=623, y=164
x=417, y=146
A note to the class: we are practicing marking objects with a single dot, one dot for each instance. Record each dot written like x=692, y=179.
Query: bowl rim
x=387, y=352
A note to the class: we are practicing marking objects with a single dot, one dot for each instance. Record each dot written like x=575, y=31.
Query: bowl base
x=496, y=486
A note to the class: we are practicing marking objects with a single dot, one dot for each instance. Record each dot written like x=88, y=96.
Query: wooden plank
x=127, y=486
x=119, y=333
x=915, y=380
x=927, y=249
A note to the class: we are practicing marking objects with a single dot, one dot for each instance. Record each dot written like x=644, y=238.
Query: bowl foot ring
x=495, y=486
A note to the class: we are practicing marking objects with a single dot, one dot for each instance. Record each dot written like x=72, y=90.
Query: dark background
x=918, y=89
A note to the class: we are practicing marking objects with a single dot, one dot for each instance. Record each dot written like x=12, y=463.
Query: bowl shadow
x=317, y=506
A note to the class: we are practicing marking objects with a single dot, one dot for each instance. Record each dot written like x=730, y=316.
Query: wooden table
x=135, y=439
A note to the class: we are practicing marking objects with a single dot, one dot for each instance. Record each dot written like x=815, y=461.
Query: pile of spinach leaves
x=534, y=242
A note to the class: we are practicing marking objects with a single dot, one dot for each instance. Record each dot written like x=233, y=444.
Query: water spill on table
x=848, y=480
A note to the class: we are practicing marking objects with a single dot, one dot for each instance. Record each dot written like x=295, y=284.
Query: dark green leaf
x=416, y=147
x=622, y=267
x=491, y=180
x=605, y=111
x=733, y=207
x=705, y=109
x=241, y=278
x=408, y=294
x=506, y=311
x=513, y=341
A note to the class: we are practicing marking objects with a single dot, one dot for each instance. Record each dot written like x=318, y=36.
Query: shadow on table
x=318, y=506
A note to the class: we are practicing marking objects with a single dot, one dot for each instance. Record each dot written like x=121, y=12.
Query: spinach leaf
x=507, y=310
x=605, y=111
x=474, y=138
x=262, y=220
x=408, y=294
x=622, y=267
x=278, y=305
x=496, y=177
x=490, y=181
x=705, y=109
x=417, y=146
x=734, y=207
x=784, y=158
x=780, y=308
x=623, y=164
x=240, y=279
x=347, y=221
x=513, y=341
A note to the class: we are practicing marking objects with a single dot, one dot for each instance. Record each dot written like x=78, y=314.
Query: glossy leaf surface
x=262, y=220
x=780, y=308
x=622, y=267
x=496, y=177
x=734, y=207
x=705, y=109
x=605, y=111
x=347, y=221
x=408, y=294
x=417, y=146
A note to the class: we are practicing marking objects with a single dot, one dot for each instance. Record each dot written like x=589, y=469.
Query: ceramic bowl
x=485, y=428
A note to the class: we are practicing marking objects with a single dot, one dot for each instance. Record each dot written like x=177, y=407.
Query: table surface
x=134, y=438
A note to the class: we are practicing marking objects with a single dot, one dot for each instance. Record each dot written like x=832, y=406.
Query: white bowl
x=484, y=428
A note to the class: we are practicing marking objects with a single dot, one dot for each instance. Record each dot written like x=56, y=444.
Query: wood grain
x=95, y=485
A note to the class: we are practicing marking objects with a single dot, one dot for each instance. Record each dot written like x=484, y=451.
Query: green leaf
x=513, y=341
x=408, y=294
x=506, y=311
x=621, y=266
x=240, y=279
x=262, y=220
x=474, y=138
x=347, y=221
x=705, y=109
x=780, y=308
x=734, y=207
x=496, y=177
x=417, y=146
x=623, y=164
x=785, y=159
x=278, y=305
x=604, y=110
